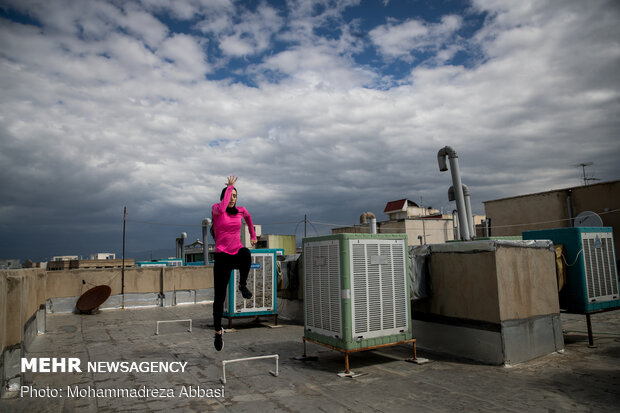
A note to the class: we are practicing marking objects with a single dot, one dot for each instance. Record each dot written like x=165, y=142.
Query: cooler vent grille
x=599, y=266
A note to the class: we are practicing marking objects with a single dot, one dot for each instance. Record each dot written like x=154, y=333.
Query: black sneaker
x=219, y=342
x=245, y=292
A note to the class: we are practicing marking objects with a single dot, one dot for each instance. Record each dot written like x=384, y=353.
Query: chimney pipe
x=180, y=242
x=373, y=221
x=458, y=187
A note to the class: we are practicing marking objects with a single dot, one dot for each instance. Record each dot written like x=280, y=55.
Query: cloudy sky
x=328, y=108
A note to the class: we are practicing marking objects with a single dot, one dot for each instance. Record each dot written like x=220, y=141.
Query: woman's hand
x=253, y=242
x=231, y=180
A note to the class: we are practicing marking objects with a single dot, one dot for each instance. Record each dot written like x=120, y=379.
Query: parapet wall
x=26, y=295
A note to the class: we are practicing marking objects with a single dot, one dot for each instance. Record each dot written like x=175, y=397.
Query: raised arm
x=221, y=207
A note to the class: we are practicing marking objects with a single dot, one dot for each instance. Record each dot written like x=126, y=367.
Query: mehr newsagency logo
x=74, y=365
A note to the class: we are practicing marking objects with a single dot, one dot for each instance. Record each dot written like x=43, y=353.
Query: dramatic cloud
x=325, y=108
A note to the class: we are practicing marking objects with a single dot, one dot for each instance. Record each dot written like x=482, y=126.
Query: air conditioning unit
x=592, y=276
x=262, y=282
x=356, y=291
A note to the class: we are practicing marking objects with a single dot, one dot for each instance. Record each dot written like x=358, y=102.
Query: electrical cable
x=574, y=262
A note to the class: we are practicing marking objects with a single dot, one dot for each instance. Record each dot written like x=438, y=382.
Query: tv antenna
x=586, y=179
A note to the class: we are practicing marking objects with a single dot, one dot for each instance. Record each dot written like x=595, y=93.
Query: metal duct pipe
x=455, y=228
x=180, y=242
x=206, y=223
x=372, y=224
x=470, y=217
x=364, y=217
x=458, y=187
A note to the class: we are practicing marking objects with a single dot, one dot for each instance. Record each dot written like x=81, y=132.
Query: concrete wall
x=493, y=286
x=492, y=301
x=464, y=286
x=551, y=209
x=24, y=294
x=69, y=283
x=22, y=297
x=526, y=283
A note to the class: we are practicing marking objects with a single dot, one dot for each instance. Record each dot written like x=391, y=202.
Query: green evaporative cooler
x=262, y=282
x=592, y=276
x=356, y=290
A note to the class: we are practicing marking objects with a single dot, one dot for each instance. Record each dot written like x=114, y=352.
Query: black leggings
x=223, y=265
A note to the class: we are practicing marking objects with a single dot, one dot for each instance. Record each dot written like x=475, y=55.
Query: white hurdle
x=173, y=321
x=223, y=379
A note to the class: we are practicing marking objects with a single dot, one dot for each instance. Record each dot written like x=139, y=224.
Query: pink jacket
x=227, y=227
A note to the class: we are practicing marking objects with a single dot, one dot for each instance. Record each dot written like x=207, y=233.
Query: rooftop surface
x=579, y=379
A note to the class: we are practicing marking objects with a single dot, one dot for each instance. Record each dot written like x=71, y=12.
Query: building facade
x=423, y=225
x=555, y=209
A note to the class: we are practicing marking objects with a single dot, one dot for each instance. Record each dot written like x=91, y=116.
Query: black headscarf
x=230, y=210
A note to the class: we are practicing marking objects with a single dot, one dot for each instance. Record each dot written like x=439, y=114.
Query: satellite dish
x=588, y=219
x=93, y=298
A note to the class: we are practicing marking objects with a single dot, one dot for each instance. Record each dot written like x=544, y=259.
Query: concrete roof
x=580, y=379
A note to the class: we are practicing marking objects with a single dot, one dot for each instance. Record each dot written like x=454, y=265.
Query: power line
x=341, y=225
x=325, y=223
x=547, y=222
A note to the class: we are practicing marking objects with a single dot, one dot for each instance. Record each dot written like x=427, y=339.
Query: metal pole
x=305, y=224
x=206, y=223
x=123, y=263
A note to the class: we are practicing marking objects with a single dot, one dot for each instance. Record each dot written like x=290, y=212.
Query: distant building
x=423, y=225
x=555, y=209
x=33, y=264
x=103, y=256
x=11, y=264
x=87, y=264
x=194, y=252
x=64, y=258
x=245, y=234
x=273, y=241
x=404, y=208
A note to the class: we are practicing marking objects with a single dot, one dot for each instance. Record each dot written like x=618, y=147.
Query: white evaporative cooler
x=356, y=291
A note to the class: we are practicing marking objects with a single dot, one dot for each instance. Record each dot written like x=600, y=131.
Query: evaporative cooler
x=262, y=282
x=356, y=291
x=592, y=276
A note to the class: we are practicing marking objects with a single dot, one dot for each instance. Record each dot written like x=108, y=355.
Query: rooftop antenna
x=583, y=168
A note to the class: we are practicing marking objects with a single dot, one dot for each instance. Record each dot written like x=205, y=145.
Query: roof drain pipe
x=458, y=187
x=373, y=221
x=470, y=217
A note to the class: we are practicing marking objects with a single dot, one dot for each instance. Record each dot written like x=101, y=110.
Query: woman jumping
x=229, y=252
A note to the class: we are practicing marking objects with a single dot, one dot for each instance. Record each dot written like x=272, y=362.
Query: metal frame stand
x=589, y=323
x=173, y=321
x=347, y=352
x=230, y=318
x=273, y=373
